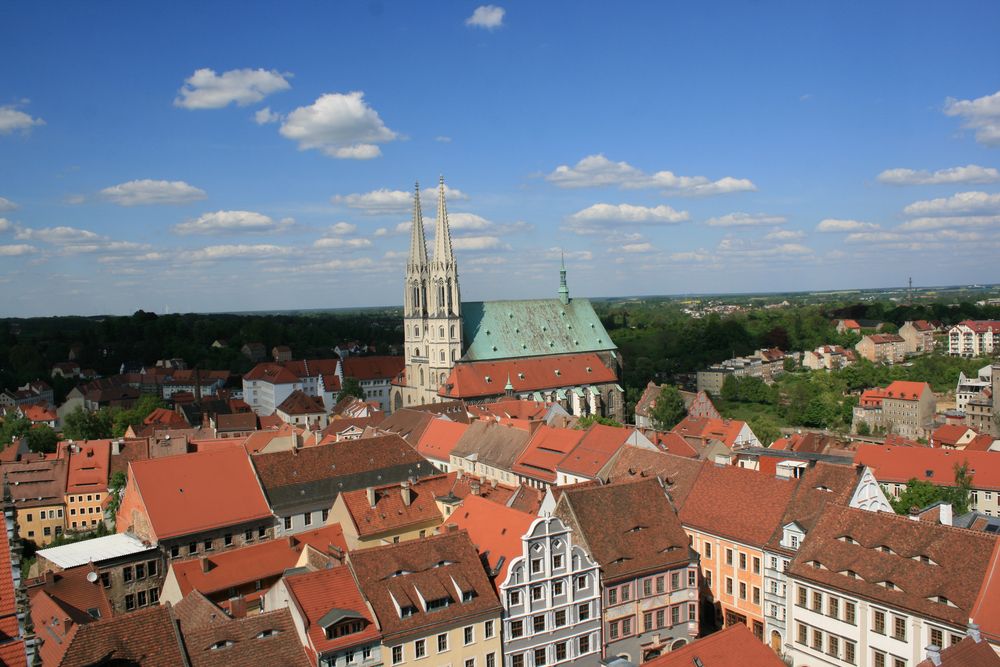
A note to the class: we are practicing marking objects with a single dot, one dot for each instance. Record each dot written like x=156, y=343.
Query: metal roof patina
x=531, y=328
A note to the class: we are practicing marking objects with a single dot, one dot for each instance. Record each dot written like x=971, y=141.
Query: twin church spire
x=432, y=286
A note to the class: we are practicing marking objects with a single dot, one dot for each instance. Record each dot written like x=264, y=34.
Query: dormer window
x=847, y=539
x=636, y=529
x=926, y=560
x=264, y=634
x=407, y=611
x=467, y=596
x=219, y=645
x=348, y=627
x=886, y=549
x=438, y=603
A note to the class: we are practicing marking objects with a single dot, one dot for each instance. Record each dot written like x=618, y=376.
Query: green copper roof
x=532, y=328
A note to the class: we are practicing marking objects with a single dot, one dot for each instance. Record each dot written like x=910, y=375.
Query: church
x=552, y=350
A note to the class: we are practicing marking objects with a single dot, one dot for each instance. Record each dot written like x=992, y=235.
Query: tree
x=920, y=494
x=352, y=387
x=116, y=487
x=765, y=428
x=864, y=428
x=83, y=425
x=583, y=423
x=668, y=409
x=42, y=438
x=134, y=416
x=730, y=389
x=14, y=428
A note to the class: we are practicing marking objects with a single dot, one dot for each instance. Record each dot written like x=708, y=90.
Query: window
x=154, y=595
x=583, y=645
x=675, y=615
x=516, y=629
x=756, y=565
x=898, y=662
x=937, y=638
x=708, y=549
x=288, y=523
x=583, y=612
x=175, y=551
x=659, y=585
x=647, y=587
x=850, y=613
x=879, y=659
x=325, y=514
x=743, y=561
x=833, y=646
x=899, y=628
x=561, y=651
x=557, y=561
x=817, y=640
x=560, y=618
x=647, y=622
x=127, y=573
x=729, y=556
x=397, y=655
x=774, y=563
x=262, y=532
x=228, y=540
x=557, y=588
x=47, y=530
x=537, y=593
x=803, y=634
x=488, y=629
x=248, y=537
x=539, y=656
x=106, y=579
x=850, y=652
x=626, y=626
x=420, y=648
x=692, y=578
x=729, y=585
x=581, y=582
x=538, y=623
x=833, y=607
x=817, y=601
x=517, y=660
x=141, y=598
x=129, y=602
x=802, y=597
x=140, y=571
x=612, y=596
x=879, y=625
x=708, y=578
x=756, y=595
x=536, y=565
x=692, y=611
x=515, y=598
x=491, y=660
x=743, y=590
x=468, y=636
x=442, y=642
x=675, y=580
x=470, y=662
x=659, y=618
x=625, y=592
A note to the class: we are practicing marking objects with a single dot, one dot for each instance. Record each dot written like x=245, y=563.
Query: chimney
x=934, y=654
x=68, y=625
x=474, y=486
x=116, y=447
x=493, y=484
x=371, y=496
x=461, y=474
x=206, y=564
x=945, y=514
x=973, y=631
x=406, y=492
x=915, y=513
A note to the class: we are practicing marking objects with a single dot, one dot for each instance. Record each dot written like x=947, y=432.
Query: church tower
x=444, y=313
x=415, y=301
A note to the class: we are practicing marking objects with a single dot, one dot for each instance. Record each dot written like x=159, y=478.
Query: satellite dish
x=92, y=577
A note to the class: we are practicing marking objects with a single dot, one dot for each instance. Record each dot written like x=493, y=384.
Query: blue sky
x=249, y=156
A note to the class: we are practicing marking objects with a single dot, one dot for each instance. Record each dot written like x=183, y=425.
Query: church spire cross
x=418, y=245
x=442, y=234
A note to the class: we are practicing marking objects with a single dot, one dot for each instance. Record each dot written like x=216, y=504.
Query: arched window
x=421, y=376
x=416, y=351
x=416, y=331
x=453, y=355
x=452, y=334
x=441, y=332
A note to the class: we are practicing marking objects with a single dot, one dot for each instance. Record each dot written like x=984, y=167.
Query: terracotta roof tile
x=677, y=472
x=147, y=637
x=89, y=466
x=959, y=561
x=373, y=368
x=966, y=653
x=488, y=378
x=901, y=464
x=316, y=594
x=594, y=450
x=439, y=438
x=495, y=530
x=301, y=403
x=545, y=450
x=272, y=373
x=733, y=647
x=435, y=567
x=269, y=638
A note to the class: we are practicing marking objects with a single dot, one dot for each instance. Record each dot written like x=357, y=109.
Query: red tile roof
x=982, y=326
x=269, y=638
x=488, y=378
x=197, y=492
x=948, y=435
x=981, y=443
x=594, y=450
x=966, y=653
x=431, y=568
x=545, y=450
x=495, y=530
x=145, y=637
x=673, y=443
x=678, y=473
x=301, y=403
x=228, y=569
x=272, y=373
x=737, y=503
x=511, y=409
x=705, y=429
x=373, y=368
x=39, y=412
x=733, y=647
x=165, y=417
x=89, y=466
x=986, y=609
x=316, y=594
x=439, y=438
x=901, y=464
x=884, y=339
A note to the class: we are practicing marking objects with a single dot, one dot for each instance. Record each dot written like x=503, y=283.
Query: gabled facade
x=552, y=600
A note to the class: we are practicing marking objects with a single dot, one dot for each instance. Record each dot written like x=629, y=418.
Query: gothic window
x=452, y=332
x=442, y=355
x=416, y=351
x=421, y=377
x=440, y=296
x=416, y=331
x=440, y=332
x=450, y=304
x=453, y=355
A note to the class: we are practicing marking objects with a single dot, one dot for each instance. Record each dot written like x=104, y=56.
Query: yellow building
x=391, y=513
x=433, y=600
x=37, y=490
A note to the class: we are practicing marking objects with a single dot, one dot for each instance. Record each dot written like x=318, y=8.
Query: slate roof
x=492, y=444
x=629, y=528
x=960, y=560
x=315, y=594
x=678, y=473
x=531, y=328
x=737, y=503
x=734, y=646
x=146, y=637
x=237, y=421
x=489, y=378
x=436, y=567
x=193, y=493
x=315, y=475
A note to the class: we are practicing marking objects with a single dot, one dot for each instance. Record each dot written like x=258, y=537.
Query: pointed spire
x=418, y=245
x=442, y=234
x=563, y=289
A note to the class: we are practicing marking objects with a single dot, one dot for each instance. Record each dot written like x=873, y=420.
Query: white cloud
x=945, y=222
x=7, y=205
x=6, y=225
x=56, y=235
x=838, y=225
x=597, y=171
x=486, y=16
x=442, y=139
x=745, y=220
x=342, y=228
x=691, y=256
x=12, y=120
x=384, y=201
x=207, y=90
x=265, y=116
x=971, y=173
x=338, y=242
x=74, y=200
x=17, y=250
x=626, y=214
x=221, y=222
x=339, y=125
x=399, y=230
x=463, y=221
x=784, y=235
x=981, y=114
x=559, y=253
x=478, y=243
x=148, y=191
x=961, y=203
x=873, y=237
x=637, y=247
x=741, y=248
x=240, y=251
